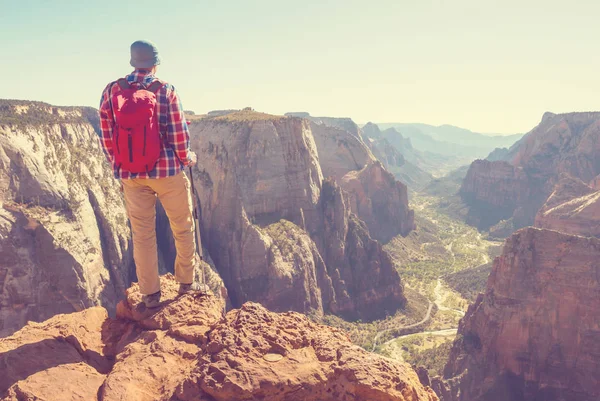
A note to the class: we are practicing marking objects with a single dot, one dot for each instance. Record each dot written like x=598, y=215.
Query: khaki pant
x=140, y=199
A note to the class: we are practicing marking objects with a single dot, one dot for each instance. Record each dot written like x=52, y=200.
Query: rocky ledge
x=189, y=350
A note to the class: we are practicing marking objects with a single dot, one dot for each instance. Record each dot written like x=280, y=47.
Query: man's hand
x=192, y=159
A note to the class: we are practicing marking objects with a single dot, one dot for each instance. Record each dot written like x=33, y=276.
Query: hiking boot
x=152, y=300
x=193, y=288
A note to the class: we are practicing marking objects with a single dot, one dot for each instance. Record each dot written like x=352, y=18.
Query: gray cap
x=144, y=54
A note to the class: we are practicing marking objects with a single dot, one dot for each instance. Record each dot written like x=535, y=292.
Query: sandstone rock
x=248, y=354
x=561, y=143
x=64, y=238
x=572, y=208
x=339, y=151
x=364, y=277
x=380, y=201
x=261, y=183
x=494, y=191
x=534, y=334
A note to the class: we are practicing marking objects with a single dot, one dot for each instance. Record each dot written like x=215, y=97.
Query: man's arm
x=178, y=134
x=106, y=124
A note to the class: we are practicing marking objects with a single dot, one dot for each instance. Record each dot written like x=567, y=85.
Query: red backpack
x=136, y=135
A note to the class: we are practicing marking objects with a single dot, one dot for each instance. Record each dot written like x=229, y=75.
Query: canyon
x=290, y=236
x=517, y=183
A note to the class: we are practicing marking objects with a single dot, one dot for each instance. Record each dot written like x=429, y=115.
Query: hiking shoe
x=152, y=300
x=193, y=288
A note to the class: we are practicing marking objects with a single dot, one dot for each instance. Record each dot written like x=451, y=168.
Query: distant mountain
x=398, y=157
x=450, y=140
x=434, y=163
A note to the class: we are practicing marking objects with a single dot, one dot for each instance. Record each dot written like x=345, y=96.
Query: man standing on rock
x=145, y=137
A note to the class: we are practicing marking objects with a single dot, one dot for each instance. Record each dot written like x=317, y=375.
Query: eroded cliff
x=561, y=143
x=256, y=170
x=64, y=238
x=534, y=334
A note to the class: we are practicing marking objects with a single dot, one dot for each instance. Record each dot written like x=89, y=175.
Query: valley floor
x=444, y=263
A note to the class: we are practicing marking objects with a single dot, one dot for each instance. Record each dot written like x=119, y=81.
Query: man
x=162, y=177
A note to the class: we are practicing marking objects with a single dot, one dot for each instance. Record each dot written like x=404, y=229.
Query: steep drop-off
x=64, y=238
x=256, y=170
x=534, y=334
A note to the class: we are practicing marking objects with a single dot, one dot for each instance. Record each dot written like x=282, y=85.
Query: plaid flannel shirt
x=175, y=146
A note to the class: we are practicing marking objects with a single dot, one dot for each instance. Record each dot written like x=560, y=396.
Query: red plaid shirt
x=175, y=148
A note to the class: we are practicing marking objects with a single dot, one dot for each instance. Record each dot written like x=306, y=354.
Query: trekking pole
x=196, y=203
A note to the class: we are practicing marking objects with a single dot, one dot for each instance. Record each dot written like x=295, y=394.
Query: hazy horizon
x=467, y=63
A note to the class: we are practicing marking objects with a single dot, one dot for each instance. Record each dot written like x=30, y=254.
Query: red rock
x=518, y=186
x=248, y=354
x=534, y=334
x=572, y=208
x=265, y=215
x=380, y=201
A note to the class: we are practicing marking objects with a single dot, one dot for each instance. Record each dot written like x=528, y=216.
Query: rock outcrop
x=189, y=350
x=264, y=220
x=343, y=123
x=495, y=190
x=64, y=238
x=339, y=151
x=380, y=201
x=534, y=334
x=563, y=143
x=573, y=207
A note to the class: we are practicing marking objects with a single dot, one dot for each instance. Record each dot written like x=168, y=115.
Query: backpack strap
x=155, y=86
x=123, y=84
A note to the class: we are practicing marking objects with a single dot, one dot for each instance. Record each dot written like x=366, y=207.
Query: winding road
x=410, y=326
x=438, y=302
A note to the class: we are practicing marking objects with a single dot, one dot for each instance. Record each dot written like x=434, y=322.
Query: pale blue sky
x=490, y=66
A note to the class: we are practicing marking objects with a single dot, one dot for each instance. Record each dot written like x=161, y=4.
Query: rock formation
x=264, y=219
x=375, y=197
x=534, y=334
x=573, y=207
x=64, y=238
x=65, y=242
x=495, y=190
x=256, y=170
x=563, y=143
x=187, y=350
x=342, y=123
x=339, y=151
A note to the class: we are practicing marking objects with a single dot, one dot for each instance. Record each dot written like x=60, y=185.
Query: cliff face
x=189, y=350
x=534, y=334
x=364, y=278
x=380, y=201
x=254, y=171
x=564, y=143
x=64, y=238
x=339, y=151
x=498, y=191
x=573, y=207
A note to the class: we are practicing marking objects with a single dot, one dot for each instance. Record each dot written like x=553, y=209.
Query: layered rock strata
x=256, y=170
x=523, y=180
x=64, y=237
x=534, y=334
